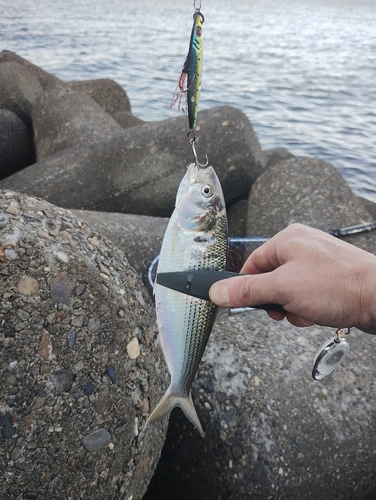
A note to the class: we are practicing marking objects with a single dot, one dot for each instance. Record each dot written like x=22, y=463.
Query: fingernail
x=218, y=294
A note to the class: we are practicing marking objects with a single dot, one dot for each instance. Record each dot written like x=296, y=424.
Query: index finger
x=261, y=260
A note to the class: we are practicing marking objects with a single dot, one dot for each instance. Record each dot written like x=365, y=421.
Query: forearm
x=367, y=319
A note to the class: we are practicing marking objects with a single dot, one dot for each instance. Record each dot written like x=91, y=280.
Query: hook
x=191, y=139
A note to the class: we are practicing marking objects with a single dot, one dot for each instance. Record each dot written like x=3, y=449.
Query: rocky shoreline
x=86, y=190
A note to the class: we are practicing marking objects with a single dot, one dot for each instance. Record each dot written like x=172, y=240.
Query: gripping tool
x=197, y=283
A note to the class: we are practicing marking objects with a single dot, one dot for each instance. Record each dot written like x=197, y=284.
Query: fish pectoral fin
x=168, y=403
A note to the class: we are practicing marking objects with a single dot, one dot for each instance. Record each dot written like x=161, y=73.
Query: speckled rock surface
x=276, y=155
x=138, y=170
x=272, y=431
x=309, y=191
x=370, y=207
x=126, y=119
x=106, y=92
x=138, y=236
x=237, y=218
x=64, y=118
x=79, y=367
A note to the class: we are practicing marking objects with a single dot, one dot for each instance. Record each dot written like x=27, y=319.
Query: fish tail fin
x=168, y=402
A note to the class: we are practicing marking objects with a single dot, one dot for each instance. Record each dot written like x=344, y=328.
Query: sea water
x=303, y=71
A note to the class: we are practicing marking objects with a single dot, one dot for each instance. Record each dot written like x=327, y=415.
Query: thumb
x=242, y=291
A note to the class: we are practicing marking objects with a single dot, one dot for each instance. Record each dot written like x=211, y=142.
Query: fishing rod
x=347, y=231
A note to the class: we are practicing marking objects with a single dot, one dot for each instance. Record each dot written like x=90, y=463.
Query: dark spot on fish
x=200, y=239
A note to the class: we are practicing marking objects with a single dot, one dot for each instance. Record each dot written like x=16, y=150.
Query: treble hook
x=191, y=139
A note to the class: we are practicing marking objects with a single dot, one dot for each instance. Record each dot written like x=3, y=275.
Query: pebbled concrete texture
x=79, y=367
x=272, y=431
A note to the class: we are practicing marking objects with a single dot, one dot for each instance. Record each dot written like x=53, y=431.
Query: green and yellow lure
x=190, y=79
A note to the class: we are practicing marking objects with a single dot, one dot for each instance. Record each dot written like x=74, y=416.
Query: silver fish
x=195, y=238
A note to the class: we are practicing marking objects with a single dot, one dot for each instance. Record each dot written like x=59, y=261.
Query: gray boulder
x=126, y=120
x=65, y=118
x=370, y=206
x=309, y=191
x=16, y=144
x=19, y=89
x=79, y=369
x=276, y=155
x=138, y=170
x=272, y=431
x=45, y=79
x=107, y=93
x=237, y=218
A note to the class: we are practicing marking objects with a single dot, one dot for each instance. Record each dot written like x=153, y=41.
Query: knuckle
x=297, y=227
x=243, y=293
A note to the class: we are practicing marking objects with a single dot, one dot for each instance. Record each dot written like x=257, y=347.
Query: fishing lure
x=189, y=84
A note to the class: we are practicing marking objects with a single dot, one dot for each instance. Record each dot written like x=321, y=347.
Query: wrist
x=368, y=295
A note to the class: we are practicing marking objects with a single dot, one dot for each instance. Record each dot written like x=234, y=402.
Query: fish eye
x=198, y=31
x=207, y=191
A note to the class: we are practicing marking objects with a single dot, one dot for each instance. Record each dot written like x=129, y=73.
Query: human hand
x=317, y=278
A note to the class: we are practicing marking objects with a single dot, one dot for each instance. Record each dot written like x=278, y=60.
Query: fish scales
x=196, y=238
